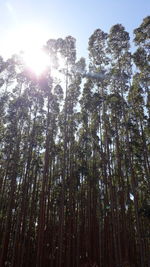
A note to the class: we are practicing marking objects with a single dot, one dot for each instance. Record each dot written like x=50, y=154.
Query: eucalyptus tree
x=94, y=111
x=10, y=154
x=120, y=74
x=74, y=155
x=141, y=60
x=139, y=104
x=142, y=55
x=13, y=133
x=68, y=130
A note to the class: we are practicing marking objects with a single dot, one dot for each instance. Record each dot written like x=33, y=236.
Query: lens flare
x=36, y=60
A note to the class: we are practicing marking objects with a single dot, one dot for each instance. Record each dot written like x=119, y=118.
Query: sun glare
x=29, y=39
x=36, y=60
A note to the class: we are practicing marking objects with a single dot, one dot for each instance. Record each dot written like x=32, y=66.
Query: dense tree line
x=75, y=155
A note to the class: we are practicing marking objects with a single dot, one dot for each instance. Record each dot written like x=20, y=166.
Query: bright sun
x=29, y=39
x=36, y=60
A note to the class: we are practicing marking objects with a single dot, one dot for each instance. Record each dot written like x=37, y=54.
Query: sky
x=23, y=23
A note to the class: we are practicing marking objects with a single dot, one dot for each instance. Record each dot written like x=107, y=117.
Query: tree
x=74, y=155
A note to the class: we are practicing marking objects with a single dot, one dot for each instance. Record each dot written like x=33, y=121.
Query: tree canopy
x=75, y=155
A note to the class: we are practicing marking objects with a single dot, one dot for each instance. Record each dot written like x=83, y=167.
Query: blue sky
x=59, y=18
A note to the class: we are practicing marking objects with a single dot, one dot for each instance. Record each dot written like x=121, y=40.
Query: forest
x=75, y=154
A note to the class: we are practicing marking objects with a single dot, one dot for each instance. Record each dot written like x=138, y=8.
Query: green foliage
x=75, y=155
